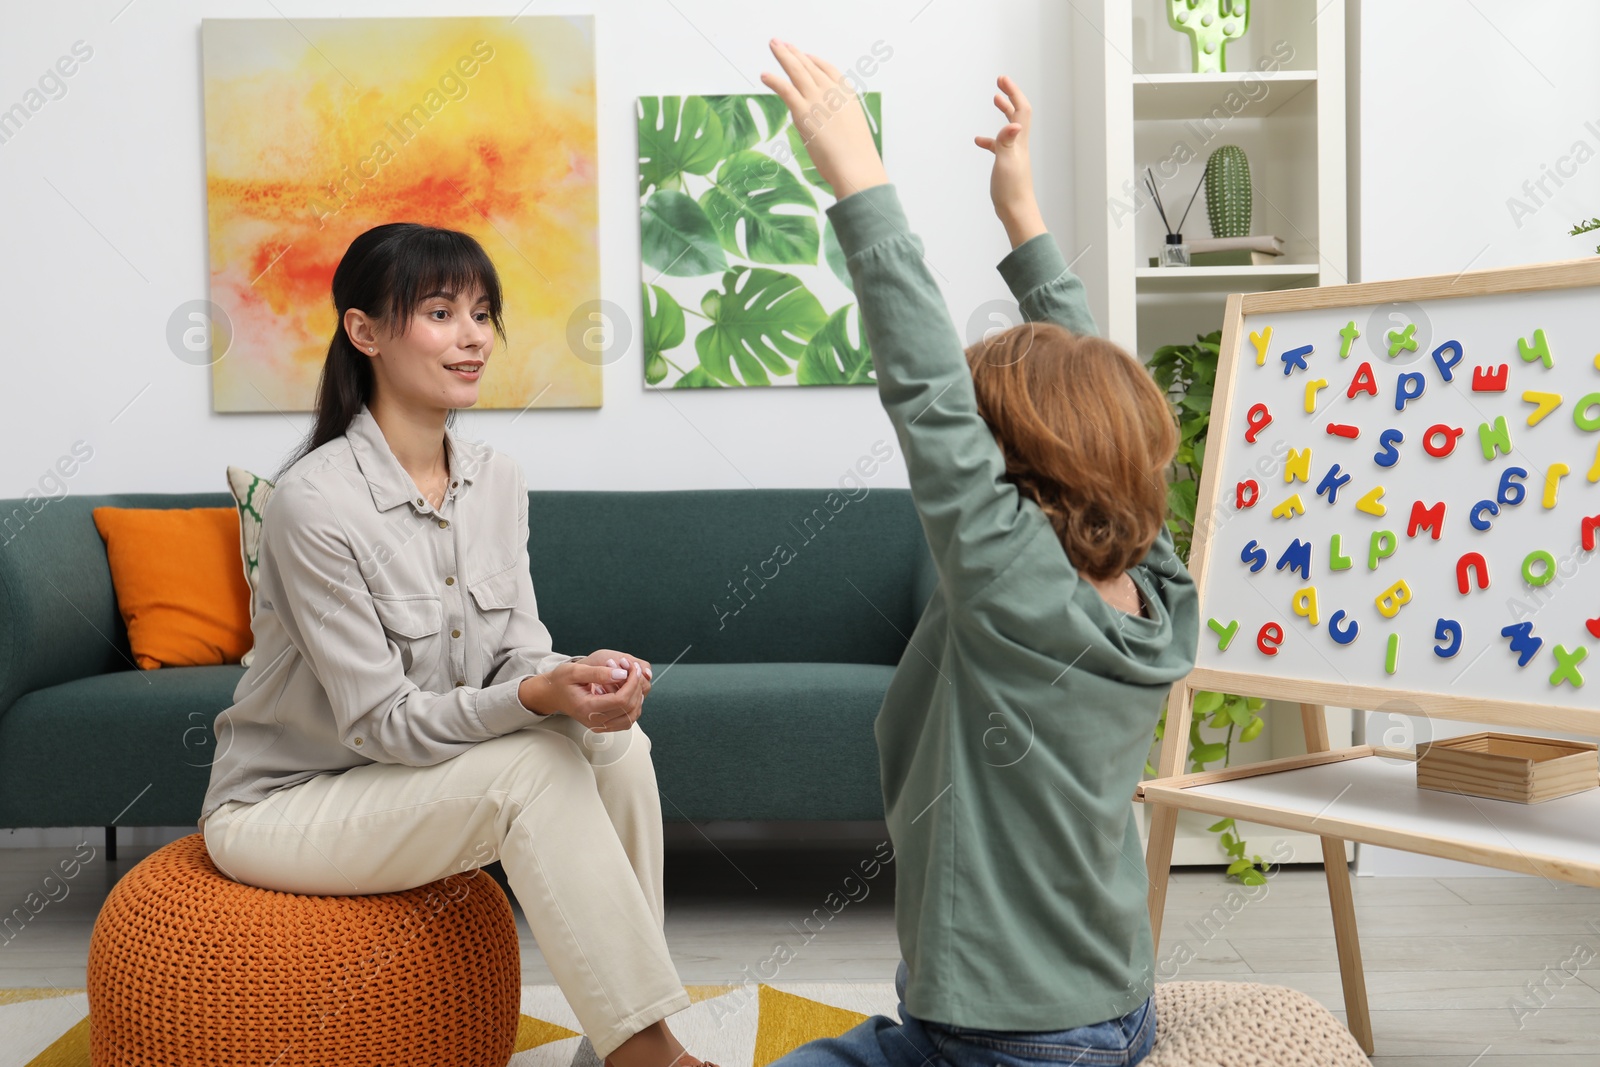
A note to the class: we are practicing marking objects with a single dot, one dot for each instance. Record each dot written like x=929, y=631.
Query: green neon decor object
x=1210, y=24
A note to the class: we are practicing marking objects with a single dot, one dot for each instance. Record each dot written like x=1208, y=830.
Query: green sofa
x=773, y=618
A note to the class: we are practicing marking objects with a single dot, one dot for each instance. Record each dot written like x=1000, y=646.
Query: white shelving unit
x=1283, y=101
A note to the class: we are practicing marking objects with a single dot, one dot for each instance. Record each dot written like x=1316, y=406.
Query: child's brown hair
x=1086, y=434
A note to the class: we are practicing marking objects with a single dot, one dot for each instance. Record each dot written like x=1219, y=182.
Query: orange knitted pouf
x=187, y=966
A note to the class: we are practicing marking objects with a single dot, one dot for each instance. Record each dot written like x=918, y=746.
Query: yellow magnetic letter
x=1392, y=599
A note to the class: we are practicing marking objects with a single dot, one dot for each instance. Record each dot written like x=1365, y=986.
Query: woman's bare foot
x=654, y=1046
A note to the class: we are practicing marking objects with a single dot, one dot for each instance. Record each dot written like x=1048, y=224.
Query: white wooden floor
x=1447, y=959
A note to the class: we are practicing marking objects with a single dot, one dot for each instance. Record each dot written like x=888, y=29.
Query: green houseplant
x=1587, y=227
x=1188, y=373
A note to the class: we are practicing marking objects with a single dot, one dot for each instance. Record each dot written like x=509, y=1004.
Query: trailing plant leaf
x=747, y=188
x=830, y=358
x=676, y=238
x=677, y=135
x=761, y=321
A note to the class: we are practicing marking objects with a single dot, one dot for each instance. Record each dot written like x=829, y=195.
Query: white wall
x=105, y=235
x=1461, y=104
x=103, y=194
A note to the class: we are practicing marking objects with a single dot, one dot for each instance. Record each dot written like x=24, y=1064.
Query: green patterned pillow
x=250, y=493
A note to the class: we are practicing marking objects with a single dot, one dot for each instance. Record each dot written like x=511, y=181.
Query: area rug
x=733, y=1025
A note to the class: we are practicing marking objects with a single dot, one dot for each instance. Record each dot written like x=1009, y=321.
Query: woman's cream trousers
x=573, y=817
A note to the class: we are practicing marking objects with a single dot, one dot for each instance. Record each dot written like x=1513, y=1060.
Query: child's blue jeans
x=882, y=1042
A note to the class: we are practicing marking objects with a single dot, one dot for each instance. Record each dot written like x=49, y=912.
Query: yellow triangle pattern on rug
x=788, y=1021
x=718, y=1024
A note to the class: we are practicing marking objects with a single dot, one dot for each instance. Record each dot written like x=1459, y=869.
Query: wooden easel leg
x=1164, y=817
x=1314, y=720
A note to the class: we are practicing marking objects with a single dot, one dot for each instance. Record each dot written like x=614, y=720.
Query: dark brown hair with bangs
x=1086, y=434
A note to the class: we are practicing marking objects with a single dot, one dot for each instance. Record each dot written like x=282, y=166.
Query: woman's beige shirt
x=386, y=630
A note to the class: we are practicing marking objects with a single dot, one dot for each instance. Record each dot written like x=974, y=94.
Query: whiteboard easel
x=1364, y=793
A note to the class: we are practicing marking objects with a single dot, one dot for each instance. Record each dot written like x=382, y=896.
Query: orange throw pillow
x=180, y=588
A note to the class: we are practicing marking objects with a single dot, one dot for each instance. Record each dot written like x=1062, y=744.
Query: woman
x=404, y=717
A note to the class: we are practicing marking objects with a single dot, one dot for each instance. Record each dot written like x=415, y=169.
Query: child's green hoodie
x=1019, y=718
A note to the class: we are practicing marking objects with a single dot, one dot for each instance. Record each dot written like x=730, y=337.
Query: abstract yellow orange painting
x=319, y=129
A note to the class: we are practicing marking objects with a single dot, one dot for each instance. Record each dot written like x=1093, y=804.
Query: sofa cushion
x=766, y=740
x=132, y=743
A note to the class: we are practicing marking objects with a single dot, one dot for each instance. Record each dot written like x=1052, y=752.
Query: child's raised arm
x=1035, y=270
x=971, y=512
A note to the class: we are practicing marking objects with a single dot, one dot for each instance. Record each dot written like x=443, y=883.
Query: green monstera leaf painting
x=743, y=280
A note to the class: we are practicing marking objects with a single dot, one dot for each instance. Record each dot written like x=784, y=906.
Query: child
x=1018, y=721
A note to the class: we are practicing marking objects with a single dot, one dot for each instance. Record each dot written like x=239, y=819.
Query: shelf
x=1192, y=96
x=1241, y=279
x=1364, y=795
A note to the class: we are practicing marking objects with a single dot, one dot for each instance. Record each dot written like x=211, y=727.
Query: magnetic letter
x=1298, y=466
x=1331, y=483
x=1468, y=565
x=1346, y=336
x=1485, y=380
x=1543, y=404
x=1447, y=367
x=1371, y=502
x=1344, y=429
x=1544, y=576
x=1567, y=666
x=1539, y=350
x=1297, y=557
x=1337, y=561
x=1343, y=634
x=1497, y=439
x=1289, y=508
x=1556, y=472
x=1590, y=524
x=1505, y=495
x=1476, y=516
x=1388, y=455
x=1447, y=631
x=1261, y=340
x=1305, y=604
x=1379, y=546
x=1254, y=555
x=1313, y=387
x=1268, y=638
x=1402, y=340
x=1392, y=599
x=1391, y=654
x=1246, y=493
x=1523, y=643
x=1257, y=419
x=1408, y=387
x=1451, y=435
x=1224, y=633
x=1295, y=359
x=1430, y=519
x=1586, y=416
x=1363, y=382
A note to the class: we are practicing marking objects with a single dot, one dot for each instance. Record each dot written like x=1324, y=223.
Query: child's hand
x=1011, y=181
x=830, y=120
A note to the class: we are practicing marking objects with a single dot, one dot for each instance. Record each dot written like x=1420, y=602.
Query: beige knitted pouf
x=1247, y=1024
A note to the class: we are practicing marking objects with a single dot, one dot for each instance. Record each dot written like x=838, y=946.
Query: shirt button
x=443, y=523
x=459, y=684
x=358, y=740
x=454, y=484
x=451, y=580
x=420, y=502
x=455, y=633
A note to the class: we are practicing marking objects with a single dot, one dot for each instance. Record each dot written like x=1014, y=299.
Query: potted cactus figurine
x=1228, y=194
x=1210, y=24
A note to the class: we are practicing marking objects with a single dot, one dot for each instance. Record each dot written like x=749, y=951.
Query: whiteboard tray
x=1371, y=795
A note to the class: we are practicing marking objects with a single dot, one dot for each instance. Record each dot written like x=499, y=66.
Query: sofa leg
x=111, y=843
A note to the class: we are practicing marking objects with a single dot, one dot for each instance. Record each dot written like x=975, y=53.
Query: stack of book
x=1233, y=251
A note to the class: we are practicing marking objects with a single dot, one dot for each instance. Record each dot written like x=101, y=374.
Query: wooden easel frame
x=1313, y=697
